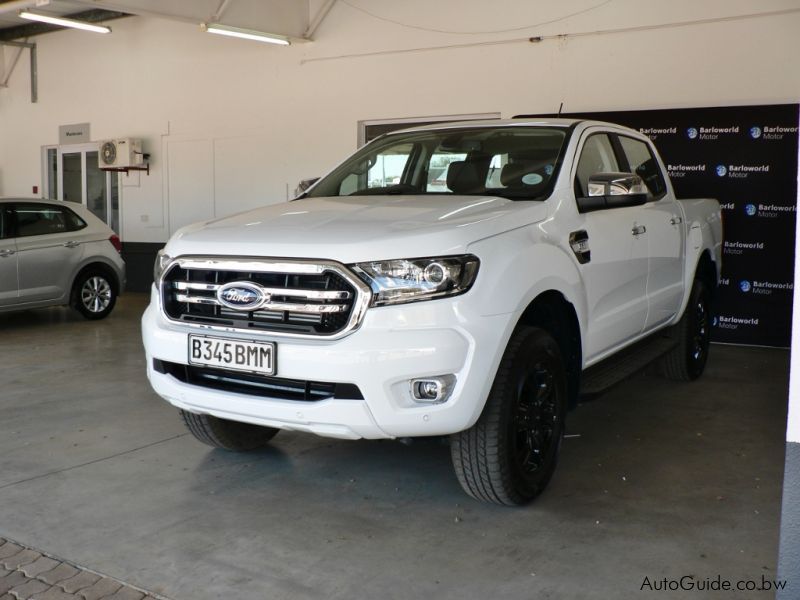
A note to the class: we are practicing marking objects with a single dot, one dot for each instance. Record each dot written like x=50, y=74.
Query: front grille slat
x=275, y=306
x=303, y=302
x=287, y=292
x=195, y=299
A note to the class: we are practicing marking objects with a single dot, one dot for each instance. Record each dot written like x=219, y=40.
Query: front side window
x=519, y=163
x=40, y=219
x=4, y=222
x=597, y=156
x=642, y=162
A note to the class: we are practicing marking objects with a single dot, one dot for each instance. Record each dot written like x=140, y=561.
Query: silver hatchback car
x=57, y=253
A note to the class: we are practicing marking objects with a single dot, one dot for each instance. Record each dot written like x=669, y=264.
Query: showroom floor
x=657, y=479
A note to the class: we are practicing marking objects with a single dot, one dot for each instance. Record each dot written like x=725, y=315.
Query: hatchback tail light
x=114, y=239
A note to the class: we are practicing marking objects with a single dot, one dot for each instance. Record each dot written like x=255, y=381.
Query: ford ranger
x=468, y=280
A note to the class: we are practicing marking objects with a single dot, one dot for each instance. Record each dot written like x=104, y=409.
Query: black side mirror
x=303, y=186
x=613, y=190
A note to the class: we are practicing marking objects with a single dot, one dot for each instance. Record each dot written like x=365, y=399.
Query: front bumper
x=393, y=345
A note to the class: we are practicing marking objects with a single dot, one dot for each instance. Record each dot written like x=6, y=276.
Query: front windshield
x=512, y=162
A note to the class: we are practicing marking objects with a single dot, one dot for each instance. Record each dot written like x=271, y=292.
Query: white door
x=616, y=275
x=72, y=174
x=665, y=235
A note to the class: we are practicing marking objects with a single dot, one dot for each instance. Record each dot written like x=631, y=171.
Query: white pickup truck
x=468, y=279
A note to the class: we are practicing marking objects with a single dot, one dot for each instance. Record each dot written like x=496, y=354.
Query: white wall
x=232, y=124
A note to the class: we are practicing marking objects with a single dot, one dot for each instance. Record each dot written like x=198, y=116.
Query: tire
x=510, y=454
x=687, y=361
x=94, y=295
x=225, y=434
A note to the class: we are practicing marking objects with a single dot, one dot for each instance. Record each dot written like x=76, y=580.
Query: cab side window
x=643, y=163
x=597, y=156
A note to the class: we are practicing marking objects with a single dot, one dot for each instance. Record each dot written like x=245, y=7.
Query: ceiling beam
x=318, y=19
x=220, y=10
x=95, y=15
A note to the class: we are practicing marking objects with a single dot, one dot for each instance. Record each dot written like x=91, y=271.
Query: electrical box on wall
x=122, y=153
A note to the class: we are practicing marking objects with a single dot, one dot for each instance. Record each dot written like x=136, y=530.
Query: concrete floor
x=664, y=480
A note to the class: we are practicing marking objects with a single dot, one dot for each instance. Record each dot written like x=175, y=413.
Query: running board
x=625, y=363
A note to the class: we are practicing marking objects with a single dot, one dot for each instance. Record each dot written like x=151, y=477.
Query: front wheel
x=225, y=434
x=687, y=361
x=94, y=295
x=509, y=455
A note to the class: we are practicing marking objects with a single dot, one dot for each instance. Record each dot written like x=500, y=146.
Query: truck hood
x=358, y=228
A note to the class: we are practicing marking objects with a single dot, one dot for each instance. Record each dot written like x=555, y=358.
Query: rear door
x=49, y=250
x=9, y=288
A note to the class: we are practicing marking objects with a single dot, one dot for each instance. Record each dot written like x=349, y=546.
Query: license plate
x=237, y=355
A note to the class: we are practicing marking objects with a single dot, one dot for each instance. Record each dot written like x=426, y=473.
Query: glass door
x=73, y=175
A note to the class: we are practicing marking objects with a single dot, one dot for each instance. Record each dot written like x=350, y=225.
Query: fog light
x=433, y=389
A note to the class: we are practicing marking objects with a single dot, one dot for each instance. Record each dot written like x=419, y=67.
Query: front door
x=662, y=218
x=616, y=275
x=9, y=289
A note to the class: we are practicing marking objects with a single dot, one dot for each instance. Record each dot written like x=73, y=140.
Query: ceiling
x=286, y=17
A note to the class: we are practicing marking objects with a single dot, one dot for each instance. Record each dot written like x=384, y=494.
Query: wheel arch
x=707, y=270
x=99, y=266
x=551, y=311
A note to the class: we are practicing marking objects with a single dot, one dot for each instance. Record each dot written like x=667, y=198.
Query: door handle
x=675, y=220
x=72, y=244
x=638, y=229
x=5, y=253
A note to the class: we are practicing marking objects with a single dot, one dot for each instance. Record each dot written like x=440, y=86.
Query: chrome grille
x=301, y=298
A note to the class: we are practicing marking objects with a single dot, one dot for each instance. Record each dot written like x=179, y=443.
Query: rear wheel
x=225, y=434
x=509, y=455
x=687, y=360
x=94, y=295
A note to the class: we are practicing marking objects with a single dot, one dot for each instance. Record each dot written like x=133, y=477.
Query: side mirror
x=613, y=190
x=304, y=185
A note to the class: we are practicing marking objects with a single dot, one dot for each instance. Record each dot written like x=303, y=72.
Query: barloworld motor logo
x=771, y=132
x=721, y=170
x=750, y=210
x=744, y=285
x=734, y=322
x=692, y=133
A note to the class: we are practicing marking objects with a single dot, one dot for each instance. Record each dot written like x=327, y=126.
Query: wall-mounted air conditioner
x=121, y=153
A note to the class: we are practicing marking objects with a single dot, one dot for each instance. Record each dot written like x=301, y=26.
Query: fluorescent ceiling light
x=246, y=34
x=64, y=22
x=14, y=5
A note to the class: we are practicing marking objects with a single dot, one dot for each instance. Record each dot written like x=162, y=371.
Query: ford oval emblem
x=242, y=295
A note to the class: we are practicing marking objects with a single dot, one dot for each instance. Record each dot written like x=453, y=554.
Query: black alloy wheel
x=509, y=455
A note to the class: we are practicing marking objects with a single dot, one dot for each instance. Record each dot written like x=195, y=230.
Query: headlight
x=161, y=262
x=414, y=279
